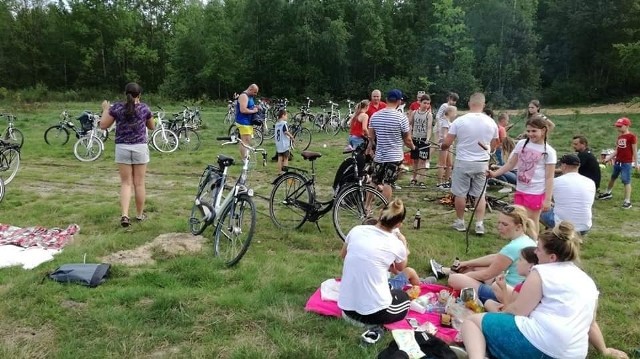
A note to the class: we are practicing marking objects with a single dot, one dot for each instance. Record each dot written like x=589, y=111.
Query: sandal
x=413, y=182
x=141, y=217
x=124, y=221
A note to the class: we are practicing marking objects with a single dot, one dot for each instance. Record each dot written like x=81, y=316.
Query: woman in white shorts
x=132, y=119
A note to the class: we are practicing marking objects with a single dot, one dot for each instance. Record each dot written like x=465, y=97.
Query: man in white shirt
x=573, y=196
x=475, y=134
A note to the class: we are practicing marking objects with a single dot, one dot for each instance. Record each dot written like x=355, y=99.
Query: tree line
x=562, y=51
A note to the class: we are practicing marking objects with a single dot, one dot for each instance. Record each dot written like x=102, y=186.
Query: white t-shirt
x=559, y=325
x=283, y=142
x=389, y=126
x=470, y=129
x=442, y=124
x=573, y=195
x=531, y=166
x=370, y=251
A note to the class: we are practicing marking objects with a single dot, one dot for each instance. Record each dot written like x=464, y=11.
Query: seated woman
x=369, y=252
x=553, y=314
x=514, y=225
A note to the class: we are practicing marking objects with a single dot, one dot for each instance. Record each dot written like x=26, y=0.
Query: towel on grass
x=29, y=247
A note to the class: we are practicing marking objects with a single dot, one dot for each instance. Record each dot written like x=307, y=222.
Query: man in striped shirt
x=388, y=131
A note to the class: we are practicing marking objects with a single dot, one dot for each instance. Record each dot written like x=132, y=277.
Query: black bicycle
x=9, y=161
x=293, y=199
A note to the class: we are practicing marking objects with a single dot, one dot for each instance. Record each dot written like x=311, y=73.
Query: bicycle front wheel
x=302, y=139
x=354, y=205
x=165, y=141
x=235, y=229
x=1, y=189
x=289, y=202
x=88, y=148
x=9, y=164
x=56, y=135
x=188, y=139
x=13, y=135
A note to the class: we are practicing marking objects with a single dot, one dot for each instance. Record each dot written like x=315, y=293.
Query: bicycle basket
x=86, y=121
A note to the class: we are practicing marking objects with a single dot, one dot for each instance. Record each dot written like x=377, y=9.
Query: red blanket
x=51, y=238
x=330, y=308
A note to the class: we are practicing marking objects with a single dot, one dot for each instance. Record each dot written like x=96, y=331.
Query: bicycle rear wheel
x=164, y=140
x=200, y=211
x=56, y=135
x=9, y=164
x=302, y=139
x=88, y=148
x=188, y=139
x=1, y=189
x=353, y=205
x=235, y=229
x=289, y=201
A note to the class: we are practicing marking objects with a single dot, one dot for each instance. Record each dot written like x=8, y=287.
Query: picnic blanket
x=32, y=246
x=315, y=304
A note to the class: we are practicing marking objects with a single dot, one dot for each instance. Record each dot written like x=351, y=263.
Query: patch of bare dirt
x=165, y=245
x=27, y=342
x=72, y=304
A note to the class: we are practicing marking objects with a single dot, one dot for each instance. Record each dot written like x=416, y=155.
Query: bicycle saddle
x=311, y=156
x=224, y=161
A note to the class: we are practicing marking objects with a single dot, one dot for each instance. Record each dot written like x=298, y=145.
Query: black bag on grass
x=432, y=347
x=90, y=274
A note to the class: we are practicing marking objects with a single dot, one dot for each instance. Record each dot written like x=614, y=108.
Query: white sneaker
x=459, y=226
x=479, y=229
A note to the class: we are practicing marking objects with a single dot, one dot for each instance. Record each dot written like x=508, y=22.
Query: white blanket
x=28, y=258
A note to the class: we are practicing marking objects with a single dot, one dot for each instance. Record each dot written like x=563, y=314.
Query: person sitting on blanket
x=369, y=252
x=553, y=314
x=507, y=295
x=479, y=273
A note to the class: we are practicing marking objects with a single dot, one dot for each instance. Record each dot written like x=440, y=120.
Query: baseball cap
x=570, y=159
x=394, y=95
x=623, y=122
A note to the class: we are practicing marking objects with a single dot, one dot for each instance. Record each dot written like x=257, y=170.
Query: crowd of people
x=540, y=303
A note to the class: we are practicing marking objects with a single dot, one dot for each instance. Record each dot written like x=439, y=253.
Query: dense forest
x=563, y=51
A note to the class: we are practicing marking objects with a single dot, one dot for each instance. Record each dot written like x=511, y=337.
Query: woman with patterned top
x=132, y=119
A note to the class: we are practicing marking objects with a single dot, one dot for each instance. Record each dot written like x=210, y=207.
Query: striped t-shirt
x=389, y=126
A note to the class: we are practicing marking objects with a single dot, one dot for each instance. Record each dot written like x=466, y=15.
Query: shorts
x=468, y=177
x=284, y=154
x=529, y=201
x=399, y=281
x=485, y=292
x=355, y=141
x=422, y=149
x=386, y=172
x=245, y=129
x=505, y=340
x=397, y=310
x=623, y=170
x=132, y=154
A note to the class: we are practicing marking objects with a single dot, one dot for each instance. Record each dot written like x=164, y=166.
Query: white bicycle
x=89, y=147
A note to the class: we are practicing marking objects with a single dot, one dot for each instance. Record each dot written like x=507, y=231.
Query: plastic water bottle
x=416, y=220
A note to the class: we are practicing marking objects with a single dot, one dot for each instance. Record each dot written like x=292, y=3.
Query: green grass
x=190, y=305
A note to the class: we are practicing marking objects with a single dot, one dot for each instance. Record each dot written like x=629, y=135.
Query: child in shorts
x=283, y=139
x=625, y=158
x=445, y=158
x=503, y=122
x=536, y=163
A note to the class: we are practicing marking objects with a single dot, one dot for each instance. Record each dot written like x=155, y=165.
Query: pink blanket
x=330, y=308
x=50, y=238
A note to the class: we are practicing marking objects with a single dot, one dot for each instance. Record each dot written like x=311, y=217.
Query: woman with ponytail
x=553, y=314
x=132, y=119
x=479, y=273
x=369, y=252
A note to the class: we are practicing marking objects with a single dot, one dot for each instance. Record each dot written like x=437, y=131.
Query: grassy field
x=182, y=302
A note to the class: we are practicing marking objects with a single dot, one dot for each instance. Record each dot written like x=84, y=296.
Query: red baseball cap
x=623, y=122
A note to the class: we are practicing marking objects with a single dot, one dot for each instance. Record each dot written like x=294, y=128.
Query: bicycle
x=293, y=198
x=188, y=138
x=59, y=134
x=301, y=135
x=1, y=189
x=261, y=127
x=328, y=121
x=230, y=117
x=305, y=113
x=162, y=138
x=90, y=146
x=9, y=161
x=230, y=212
x=11, y=133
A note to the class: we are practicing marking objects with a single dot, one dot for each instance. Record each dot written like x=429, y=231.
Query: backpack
x=90, y=275
x=432, y=347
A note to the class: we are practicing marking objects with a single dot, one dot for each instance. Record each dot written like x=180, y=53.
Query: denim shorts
x=504, y=339
x=623, y=170
x=485, y=292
